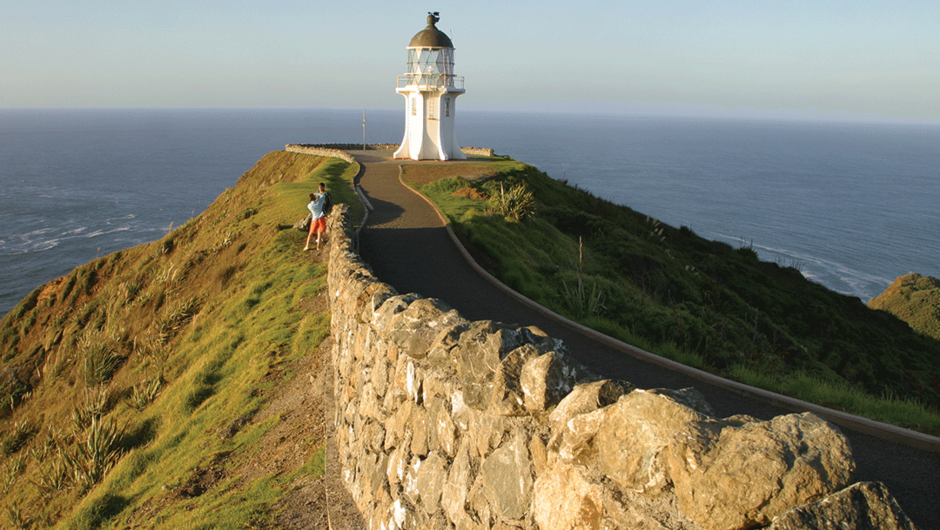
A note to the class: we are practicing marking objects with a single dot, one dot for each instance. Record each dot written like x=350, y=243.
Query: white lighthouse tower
x=430, y=89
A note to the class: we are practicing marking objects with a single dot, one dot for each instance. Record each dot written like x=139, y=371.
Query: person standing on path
x=318, y=219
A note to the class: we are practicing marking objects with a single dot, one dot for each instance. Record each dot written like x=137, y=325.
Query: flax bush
x=516, y=204
x=94, y=454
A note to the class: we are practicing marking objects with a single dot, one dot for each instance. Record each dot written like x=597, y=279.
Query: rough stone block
x=394, y=397
x=441, y=350
x=380, y=509
x=507, y=396
x=635, y=432
x=687, y=397
x=398, y=426
x=564, y=500
x=538, y=454
x=434, y=387
x=585, y=398
x=378, y=376
x=459, y=411
x=548, y=378
x=446, y=431
x=481, y=348
x=457, y=487
x=373, y=433
x=400, y=514
x=861, y=506
x=376, y=293
x=420, y=432
x=391, y=307
x=477, y=361
x=544, y=343
x=431, y=477
x=397, y=462
x=479, y=502
x=507, y=473
x=368, y=402
x=743, y=475
x=408, y=379
x=434, y=405
x=485, y=432
x=409, y=482
x=415, y=328
x=575, y=443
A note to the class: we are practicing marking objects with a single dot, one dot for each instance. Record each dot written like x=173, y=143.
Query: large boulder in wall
x=742, y=475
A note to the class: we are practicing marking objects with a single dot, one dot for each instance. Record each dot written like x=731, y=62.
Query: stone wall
x=447, y=423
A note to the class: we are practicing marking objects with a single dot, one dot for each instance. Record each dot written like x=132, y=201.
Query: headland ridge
x=443, y=421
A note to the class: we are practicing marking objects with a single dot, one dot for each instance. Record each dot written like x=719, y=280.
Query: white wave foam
x=838, y=276
x=76, y=230
x=97, y=233
x=42, y=246
x=38, y=232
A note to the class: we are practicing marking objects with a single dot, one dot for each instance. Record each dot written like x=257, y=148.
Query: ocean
x=851, y=205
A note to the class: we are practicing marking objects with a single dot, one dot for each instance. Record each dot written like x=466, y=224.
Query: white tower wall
x=429, y=126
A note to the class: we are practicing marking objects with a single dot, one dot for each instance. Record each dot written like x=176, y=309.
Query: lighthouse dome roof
x=431, y=37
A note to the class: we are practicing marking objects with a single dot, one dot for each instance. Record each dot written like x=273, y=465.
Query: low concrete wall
x=447, y=423
x=330, y=150
x=339, y=150
x=478, y=151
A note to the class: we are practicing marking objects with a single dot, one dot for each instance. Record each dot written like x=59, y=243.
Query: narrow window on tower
x=447, y=107
x=414, y=106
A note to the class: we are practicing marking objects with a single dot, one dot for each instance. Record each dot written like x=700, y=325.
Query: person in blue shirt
x=318, y=220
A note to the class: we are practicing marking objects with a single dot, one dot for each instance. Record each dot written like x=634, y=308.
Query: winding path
x=408, y=246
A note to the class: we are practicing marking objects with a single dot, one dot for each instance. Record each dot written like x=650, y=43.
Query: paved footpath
x=408, y=247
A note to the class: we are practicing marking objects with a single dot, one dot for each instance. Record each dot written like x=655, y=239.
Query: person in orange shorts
x=318, y=220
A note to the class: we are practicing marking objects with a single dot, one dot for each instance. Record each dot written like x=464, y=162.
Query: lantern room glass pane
x=431, y=61
x=430, y=67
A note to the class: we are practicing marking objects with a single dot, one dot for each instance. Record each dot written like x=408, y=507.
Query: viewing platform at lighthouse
x=430, y=81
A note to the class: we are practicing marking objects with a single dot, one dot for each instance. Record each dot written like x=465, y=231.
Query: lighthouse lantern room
x=430, y=89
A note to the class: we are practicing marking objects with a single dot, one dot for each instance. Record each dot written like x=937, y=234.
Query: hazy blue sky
x=829, y=58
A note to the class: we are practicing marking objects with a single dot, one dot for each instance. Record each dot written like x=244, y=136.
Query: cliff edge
x=183, y=383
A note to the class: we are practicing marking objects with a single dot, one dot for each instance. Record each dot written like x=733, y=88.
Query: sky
x=833, y=59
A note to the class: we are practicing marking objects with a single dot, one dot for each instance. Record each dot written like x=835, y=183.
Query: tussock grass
x=133, y=370
x=887, y=408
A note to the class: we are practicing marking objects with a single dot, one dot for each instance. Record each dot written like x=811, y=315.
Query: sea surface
x=852, y=206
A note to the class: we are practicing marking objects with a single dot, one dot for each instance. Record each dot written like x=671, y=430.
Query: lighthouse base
x=429, y=125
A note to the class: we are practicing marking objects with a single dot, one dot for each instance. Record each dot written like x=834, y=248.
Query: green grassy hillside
x=134, y=388
x=703, y=303
x=914, y=299
x=141, y=389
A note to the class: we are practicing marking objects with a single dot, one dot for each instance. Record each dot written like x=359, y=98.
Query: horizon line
x=621, y=109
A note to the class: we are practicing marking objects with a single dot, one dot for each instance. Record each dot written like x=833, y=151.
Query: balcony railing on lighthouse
x=431, y=81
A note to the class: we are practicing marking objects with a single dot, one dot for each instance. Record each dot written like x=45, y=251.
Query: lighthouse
x=430, y=89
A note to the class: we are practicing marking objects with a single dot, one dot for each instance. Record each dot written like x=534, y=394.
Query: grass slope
x=700, y=302
x=914, y=299
x=134, y=387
